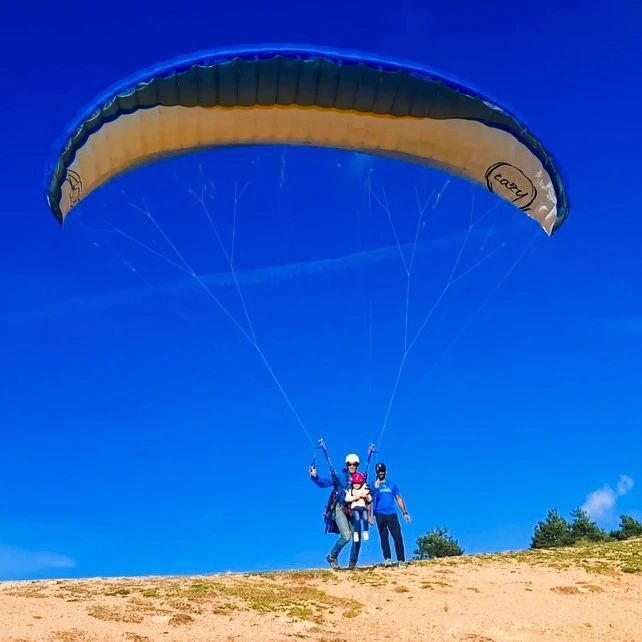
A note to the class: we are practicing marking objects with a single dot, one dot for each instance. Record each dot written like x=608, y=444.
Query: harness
x=330, y=524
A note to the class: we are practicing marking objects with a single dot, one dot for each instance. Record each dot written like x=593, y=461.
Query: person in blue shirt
x=341, y=483
x=386, y=497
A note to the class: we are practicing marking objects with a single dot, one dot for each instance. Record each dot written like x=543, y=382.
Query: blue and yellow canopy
x=301, y=96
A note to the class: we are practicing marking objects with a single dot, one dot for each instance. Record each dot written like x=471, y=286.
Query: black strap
x=371, y=451
x=333, y=472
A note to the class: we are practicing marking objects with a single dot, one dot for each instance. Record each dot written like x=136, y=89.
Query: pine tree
x=582, y=528
x=629, y=528
x=553, y=531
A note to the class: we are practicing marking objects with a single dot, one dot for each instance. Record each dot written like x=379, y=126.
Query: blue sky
x=143, y=434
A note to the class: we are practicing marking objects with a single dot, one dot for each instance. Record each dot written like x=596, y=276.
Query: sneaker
x=355, y=537
x=333, y=562
x=366, y=536
x=387, y=562
x=402, y=564
x=352, y=566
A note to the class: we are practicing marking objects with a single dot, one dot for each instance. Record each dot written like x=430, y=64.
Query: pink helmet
x=358, y=478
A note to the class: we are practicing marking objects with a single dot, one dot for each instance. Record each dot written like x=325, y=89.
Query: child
x=359, y=500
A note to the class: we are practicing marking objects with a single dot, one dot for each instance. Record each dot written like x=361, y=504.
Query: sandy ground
x=473, y=599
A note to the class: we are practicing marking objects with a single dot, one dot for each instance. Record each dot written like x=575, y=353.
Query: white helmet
x=352, y=458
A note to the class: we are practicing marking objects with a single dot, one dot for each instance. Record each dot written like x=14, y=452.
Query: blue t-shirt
x=384, y=498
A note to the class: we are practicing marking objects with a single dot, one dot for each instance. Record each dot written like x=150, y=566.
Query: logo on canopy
x=75, y=187
x=511, y=183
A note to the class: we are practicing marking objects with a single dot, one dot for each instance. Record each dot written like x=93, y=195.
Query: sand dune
x=585, y=593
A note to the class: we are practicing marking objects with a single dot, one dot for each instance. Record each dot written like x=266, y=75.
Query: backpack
x=328, y=514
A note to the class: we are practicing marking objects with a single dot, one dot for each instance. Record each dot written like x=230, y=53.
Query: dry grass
x=603, y=558
x=111, y=614
x=185, y=599
x=307, y=603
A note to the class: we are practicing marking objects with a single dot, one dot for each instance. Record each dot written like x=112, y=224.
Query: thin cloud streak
x=260, y=276
x=18, y=563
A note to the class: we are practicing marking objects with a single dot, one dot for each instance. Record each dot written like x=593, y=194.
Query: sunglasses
x=353, y=463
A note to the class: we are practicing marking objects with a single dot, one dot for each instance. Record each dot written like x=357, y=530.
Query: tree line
x=551, y=532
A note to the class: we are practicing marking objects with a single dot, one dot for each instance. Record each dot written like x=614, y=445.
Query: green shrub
x=437, y=543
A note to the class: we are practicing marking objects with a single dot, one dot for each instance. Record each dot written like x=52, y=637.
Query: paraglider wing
x=306, y=97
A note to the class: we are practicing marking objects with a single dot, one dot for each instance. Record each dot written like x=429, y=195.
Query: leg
x=356, y=520
x=364, y=524
x=354, y=553
x=356, y=524
x=395, y=531
x=361, y=524
x=382, y=525
x=364, y=520
x=345, y=531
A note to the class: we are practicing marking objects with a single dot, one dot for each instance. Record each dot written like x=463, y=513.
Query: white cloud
x=600, y=502
x=17, y=563
x=624, y=485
